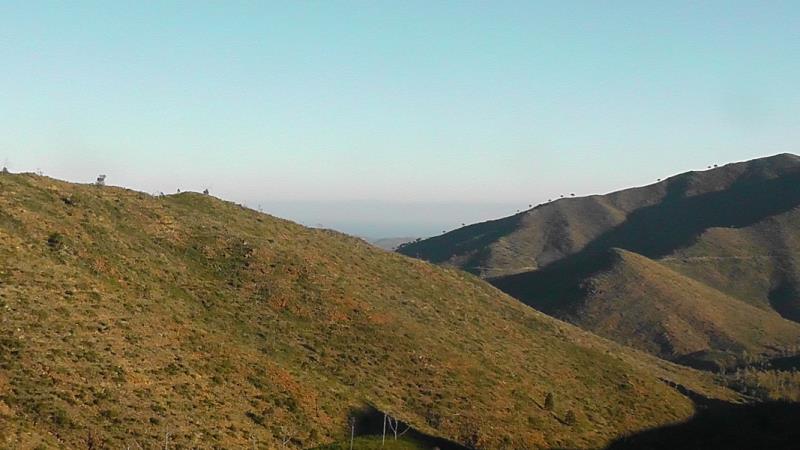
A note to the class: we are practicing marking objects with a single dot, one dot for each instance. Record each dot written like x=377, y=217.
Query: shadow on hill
x=369, y=422
x=717, y=425
x=559, y=285
x=655, y=231
x=467, y=240
x=658, y=230
x=785, y=363
x=785, y=299
x=720, y=425
x=710, y=360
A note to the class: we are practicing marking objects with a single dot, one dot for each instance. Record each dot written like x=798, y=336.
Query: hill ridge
x=547, y=233
x=694, y=321
x=550, y=254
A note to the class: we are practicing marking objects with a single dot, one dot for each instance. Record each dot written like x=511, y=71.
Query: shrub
x=9, y=351
x=549, y=402
x=256, y=418
x=59, y=417
x=55, y=241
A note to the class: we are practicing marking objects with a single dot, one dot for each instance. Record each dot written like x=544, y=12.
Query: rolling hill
x=643, y=304
x=135, y=321
x=756, y=264
x=699, y=264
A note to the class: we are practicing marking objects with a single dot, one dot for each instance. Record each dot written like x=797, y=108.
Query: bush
x=60, y=417
x=549, y=402
x=9, y=351
x=55, y=241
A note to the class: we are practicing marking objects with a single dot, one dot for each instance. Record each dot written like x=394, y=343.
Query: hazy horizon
x=375, y=219
x=390, y=119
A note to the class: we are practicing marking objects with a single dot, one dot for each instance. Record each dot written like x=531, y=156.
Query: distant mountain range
x=700, y=268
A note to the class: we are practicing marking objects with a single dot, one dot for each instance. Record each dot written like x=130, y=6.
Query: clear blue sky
x=386, y=118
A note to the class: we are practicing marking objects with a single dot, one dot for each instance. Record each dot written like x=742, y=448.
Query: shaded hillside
x=463, y=247
x=135, y=320
x=371, y=430
x=643, y=304
x=758, y=264
x=730, y=236
x=652, y=220
x=767, y=426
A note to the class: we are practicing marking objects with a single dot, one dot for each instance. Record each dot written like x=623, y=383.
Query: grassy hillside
x=653, y=220
x=375, y=443
x=708, y=270
x=758, y=264
x=136, y=320
x=643, y=304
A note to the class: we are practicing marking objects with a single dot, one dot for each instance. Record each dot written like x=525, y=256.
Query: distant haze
x=394, y=118
x=375, y=219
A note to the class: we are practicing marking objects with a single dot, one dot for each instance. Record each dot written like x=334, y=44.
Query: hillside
x=652, y=220
x=709, y=265
x=758, y=264
x=641, y=303
x=132, y=320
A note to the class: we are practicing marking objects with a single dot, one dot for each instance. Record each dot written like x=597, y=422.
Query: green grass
x=641, y=303
x=375, y=443
x=198, y=321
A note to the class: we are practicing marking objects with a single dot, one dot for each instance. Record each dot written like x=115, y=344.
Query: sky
x=394, y=118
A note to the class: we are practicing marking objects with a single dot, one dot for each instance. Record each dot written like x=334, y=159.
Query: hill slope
x=759, y=264
x=641, y=303
x=135, y=320
x=653, y=220
x=716, y=227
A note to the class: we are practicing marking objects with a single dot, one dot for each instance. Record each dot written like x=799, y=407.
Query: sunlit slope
x=135, y=320
x=730, y=236
x=759, y=264
x=641, y=303
x=652, y=220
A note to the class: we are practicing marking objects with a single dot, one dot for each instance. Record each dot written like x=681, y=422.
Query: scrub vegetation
x=185, y=321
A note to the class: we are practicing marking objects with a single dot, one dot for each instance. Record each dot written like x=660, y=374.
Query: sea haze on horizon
x=371, y=219
x=375, y=219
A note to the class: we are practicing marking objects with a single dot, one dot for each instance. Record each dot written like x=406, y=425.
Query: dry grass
x=641, y=303
x=651, y=219
x=211, y=325
x=709, y=268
